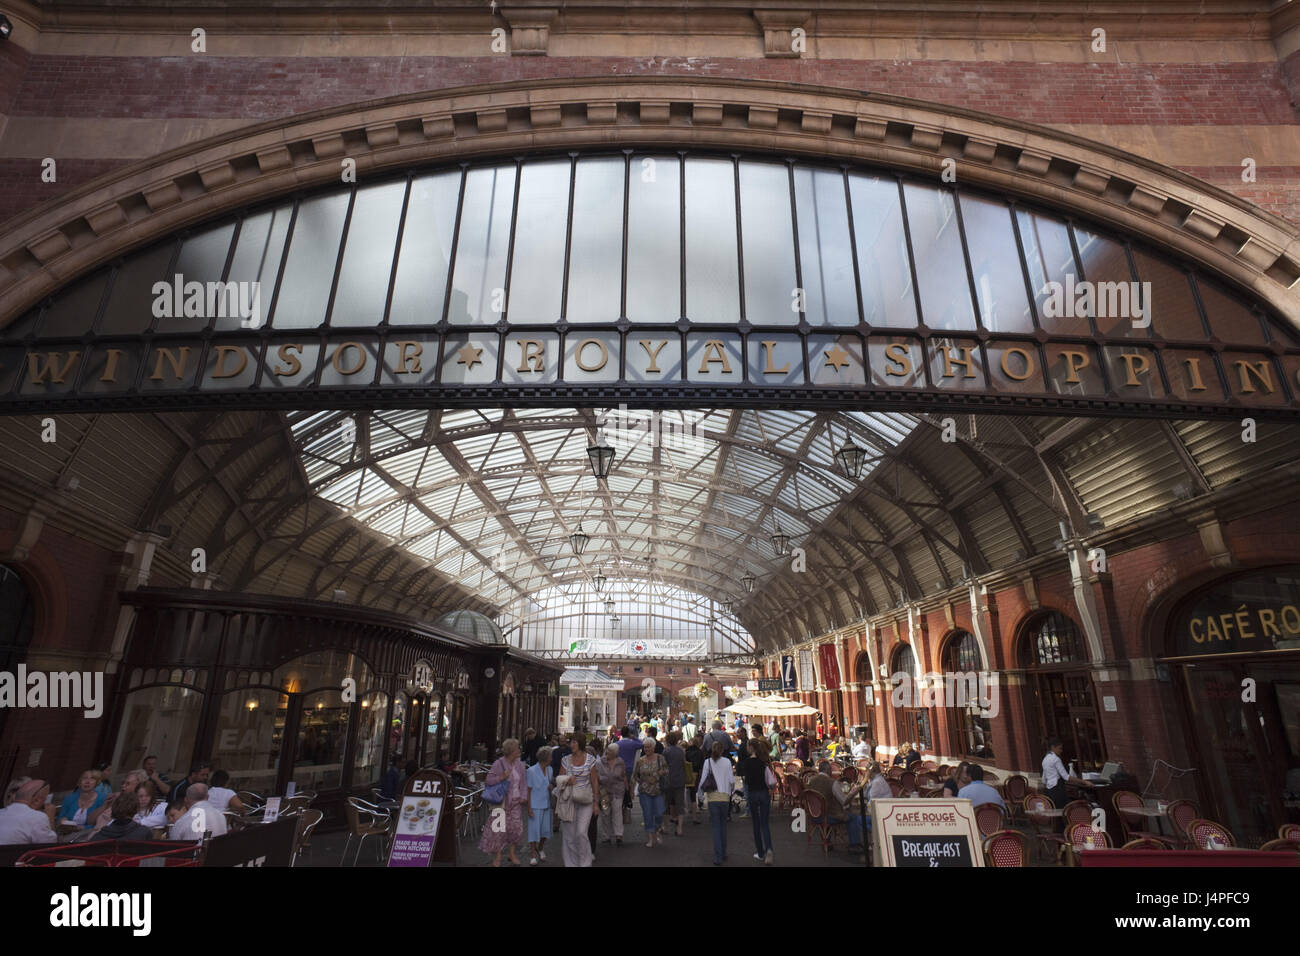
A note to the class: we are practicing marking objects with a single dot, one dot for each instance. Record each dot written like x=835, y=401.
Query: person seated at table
x=863, y=749
x=802, y=747
x=835, y=798
x=900, y=757
x=960, y=777
x=28, y=819
x=80, y=807
x=151, y=809
x=977, y=791
x=199, y=816
x=913, y=757
x=132, y=780
x=221, y=796
x=123, y=825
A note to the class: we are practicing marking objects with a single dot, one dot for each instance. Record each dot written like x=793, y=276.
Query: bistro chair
x=1145, y=843
x=794, y=763
x=1082, y=837
x=1181, y=813
x=990, y=819
x=1273, y=846
x=895, y=788
x=944, y=771
x=815, y=804
x=295, y=804
x=1045, y=828
x=1127, y=801
x=793, y=791
x=908, y=780
x=990, y=777
x=250, y=799
x=307, y=821
x=364, y=820
x=1006, y=848
x=928, y=765
x=894, y=773
x=1289, y=831
x=1078, y=811
x=1200, y=832
x=849, y=775
x=1014, y=792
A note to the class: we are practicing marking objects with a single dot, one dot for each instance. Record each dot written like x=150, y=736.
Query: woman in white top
x=1055, y=775
x=221, y=796
x=152, y=808
x=716, y=785
x=581, y=769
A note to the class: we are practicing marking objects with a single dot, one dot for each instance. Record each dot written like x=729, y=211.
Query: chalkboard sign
x=929, y=833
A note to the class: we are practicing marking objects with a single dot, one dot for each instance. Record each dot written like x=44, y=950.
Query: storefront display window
x=971, y=732
x=159, y=721
x=250, y=730
x=370, y=738
x=322, y=741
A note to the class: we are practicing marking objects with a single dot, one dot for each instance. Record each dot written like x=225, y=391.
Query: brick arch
x=47, y=247
x=1020, y=634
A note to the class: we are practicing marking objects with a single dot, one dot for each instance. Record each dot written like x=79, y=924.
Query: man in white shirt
x=199, y=816
x=862, y=749
x=977, y=791
x=1054, y=774
x=688, y=729
x=28, y=819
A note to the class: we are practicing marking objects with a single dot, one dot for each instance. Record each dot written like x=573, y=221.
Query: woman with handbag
x=651, y=773
x=584, y=790
x=760, y=781
x=507, y=787
x=612, y=773
x=715, y=788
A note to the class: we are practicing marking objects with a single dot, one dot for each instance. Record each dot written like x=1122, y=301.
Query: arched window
x=912, y=724
x=1052, y=639
x=1063, y=701
x=16, y=619
x=971, y=732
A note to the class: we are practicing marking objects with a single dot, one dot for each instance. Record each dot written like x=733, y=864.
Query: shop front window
x=370, y=738
x=971, y=732
x=161, y=722
x=396, y=728
x=321, y=747
x=250, y=730
x=1063, y=701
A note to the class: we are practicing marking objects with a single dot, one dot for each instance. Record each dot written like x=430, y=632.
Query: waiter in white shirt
x=27, y=819
x=1055, y=775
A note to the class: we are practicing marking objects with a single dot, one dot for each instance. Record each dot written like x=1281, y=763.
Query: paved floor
x=694, y=848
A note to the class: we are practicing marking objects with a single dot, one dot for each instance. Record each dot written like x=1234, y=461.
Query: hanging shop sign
x=830, y=666
x=925, y=833
x=788, y=679
x=766, y=684
x=638, y=648
x=423, y=823
x=1253, y=613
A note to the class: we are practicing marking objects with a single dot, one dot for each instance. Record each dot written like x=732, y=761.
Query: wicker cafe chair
x=850, y=775
x=1082, y=837
x=1127, y=800
x=990, y=819
x=815, y=804
x=1289, y=831
x=1200, y=832
x=364, y=820
x=895, y=788
x=1145, y=843
x=1014, y=792
x=250, y=800
x=1006, y=848
x=1044, y=827
x=1273, y=846
x=908, y=780
x=1078, y=811
x=1181, y=813
x=794, y=790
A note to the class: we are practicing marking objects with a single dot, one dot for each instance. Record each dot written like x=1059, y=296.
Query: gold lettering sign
x=604, y=355
x=110, y=366
x=36, y=371
x=654, y=355
x=336, y=361
x=1135, y=364
x=1259, y=370
x=899, y=359
x=715, y=351
x=408, y=358
x=1025, y=357
x=286, y=354
x=218, y=370
x=949, y=360
x=531, y=353
x=1194, y=374
x=768, y=368
x=177, y=363
x=1075, y=362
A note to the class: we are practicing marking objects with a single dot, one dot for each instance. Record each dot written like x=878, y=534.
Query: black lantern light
x=780, y=542
x=602, y=457
x=851, y=458
x=599, y=581
x=578, y=541
x=747, y=582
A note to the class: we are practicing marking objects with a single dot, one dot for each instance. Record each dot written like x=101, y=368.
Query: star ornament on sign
x=837, y=358
x=468, y=356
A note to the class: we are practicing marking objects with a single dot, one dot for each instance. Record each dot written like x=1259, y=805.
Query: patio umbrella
x=775, y=706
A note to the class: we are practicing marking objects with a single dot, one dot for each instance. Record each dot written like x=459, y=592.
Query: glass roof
x=491, y=497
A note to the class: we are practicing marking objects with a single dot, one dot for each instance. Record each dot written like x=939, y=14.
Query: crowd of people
x=584, y=785
x=147, y=805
